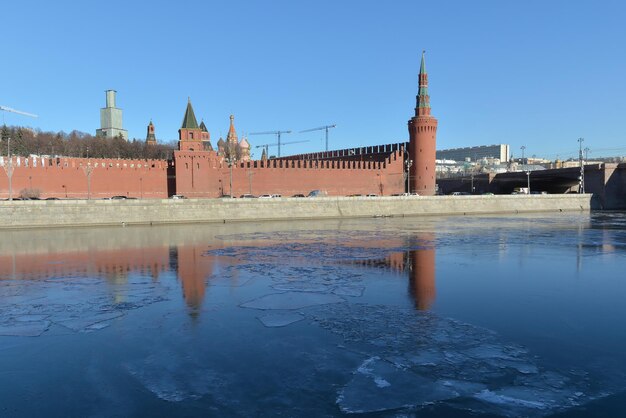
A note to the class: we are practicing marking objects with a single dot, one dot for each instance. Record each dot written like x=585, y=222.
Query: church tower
x=422, y=140
x=190, y=134
x=150, y=136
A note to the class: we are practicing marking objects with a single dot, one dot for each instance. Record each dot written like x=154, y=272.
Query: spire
x=422, y=107
x=189, y=121
x=203, y=127
x=231, y=138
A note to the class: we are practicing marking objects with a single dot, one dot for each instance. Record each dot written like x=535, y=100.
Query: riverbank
x=69, y=213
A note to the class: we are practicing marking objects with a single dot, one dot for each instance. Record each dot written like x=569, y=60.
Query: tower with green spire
x=190, y=134
x=422, y=140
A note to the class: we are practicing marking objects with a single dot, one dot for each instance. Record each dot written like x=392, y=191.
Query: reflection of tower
x=422, y=140
x=422, y=274
x=193, y=269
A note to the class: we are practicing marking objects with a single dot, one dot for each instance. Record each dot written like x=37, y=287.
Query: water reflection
x=53, y=256
x=330, y=317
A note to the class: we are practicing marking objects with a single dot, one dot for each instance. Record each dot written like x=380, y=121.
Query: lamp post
x=528, y=181
x=10, y=169
x=408, y=164
x=523, y=147
x=581, y=186
x=229, y=160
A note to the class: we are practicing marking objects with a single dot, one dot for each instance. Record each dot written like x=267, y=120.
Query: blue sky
x=533, y=73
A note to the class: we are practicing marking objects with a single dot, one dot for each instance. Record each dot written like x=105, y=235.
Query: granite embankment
x=63, y=213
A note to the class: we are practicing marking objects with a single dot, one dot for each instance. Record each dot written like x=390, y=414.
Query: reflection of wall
x=115, y=265
x=111, y=264
x=418, y=264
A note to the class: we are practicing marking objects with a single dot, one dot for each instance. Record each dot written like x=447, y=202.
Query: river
x=486, y=316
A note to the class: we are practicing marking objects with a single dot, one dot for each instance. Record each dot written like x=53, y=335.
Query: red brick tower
x=190, y=134
x=150, y=136
x=422, y=141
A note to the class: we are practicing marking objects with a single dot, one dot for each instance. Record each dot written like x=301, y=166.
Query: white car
x=265, y=196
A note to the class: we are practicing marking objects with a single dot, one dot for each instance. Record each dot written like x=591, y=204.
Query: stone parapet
x=66, y=213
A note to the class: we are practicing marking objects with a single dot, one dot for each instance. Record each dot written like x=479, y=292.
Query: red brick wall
x=202, y=174
x=199, y=174
x=70, y=177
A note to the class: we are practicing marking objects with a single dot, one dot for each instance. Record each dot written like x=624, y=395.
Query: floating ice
x=417, y=358
x=174, y=377
x=89, y=320
x=492, y=397
x=354, y=291
x=291, y=300
x=30, y=307
x=24, y=329
x=280, y=319
x=378, y=386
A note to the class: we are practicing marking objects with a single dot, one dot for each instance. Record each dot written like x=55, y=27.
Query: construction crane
x=321, y=128
x=8, y=109
x=266, y=146
x=277, y=133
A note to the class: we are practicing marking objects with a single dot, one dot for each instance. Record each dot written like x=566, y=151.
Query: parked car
x=265, y=196
x=370, y=195
x=298, y=195
x=117, y=198
x=460, y=194
x=317, y=193
x=52, y=198
x=247, y=196
x=276, y=195
x=177, y=196
x=226, y=196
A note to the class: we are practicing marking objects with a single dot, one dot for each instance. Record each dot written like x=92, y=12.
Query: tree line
x=26, y=141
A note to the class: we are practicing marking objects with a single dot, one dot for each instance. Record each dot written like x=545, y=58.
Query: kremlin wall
x=198, y=171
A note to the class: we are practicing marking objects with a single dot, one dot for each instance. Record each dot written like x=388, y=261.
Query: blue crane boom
x=266, y=146
x=277, y=133
x=321, y=128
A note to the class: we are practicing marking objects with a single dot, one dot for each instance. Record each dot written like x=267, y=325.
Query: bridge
x=606, y=181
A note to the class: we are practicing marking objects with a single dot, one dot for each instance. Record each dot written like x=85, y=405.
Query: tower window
x=190, y=135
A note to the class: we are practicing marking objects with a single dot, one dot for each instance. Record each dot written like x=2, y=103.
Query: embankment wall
x=63, y=213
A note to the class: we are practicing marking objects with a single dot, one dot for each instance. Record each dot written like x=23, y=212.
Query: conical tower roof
x=232, y=133
x=189, y=121
x=203, y=127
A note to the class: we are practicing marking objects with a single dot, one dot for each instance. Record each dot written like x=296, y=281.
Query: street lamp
x=10, y=169
x=229, y=160
x=523, y=147
x=408, y=164
x=581, y=186
x=528, y=181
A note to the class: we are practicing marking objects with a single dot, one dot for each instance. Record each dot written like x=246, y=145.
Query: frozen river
x=444, y=317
